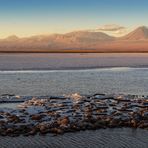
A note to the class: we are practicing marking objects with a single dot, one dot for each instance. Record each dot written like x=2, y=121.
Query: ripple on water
x=103, y=138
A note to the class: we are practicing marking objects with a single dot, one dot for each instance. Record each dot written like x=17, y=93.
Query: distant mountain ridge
x=140, y=33
x=136, y=40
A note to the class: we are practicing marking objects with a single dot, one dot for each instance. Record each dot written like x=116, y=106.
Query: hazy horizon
x=33, y=17
x=113, y=30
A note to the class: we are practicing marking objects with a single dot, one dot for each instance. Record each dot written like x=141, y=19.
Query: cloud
x=110, y=27
x=113, y=29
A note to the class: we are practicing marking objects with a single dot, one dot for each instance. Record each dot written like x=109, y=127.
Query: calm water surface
x=42, y=61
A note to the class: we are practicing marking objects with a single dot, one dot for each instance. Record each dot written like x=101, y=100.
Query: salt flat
x=90, y=81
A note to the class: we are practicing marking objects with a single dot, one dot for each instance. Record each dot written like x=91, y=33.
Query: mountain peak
x=141, y=33
x=88, y=36
x=12, y=37
x=142, y=27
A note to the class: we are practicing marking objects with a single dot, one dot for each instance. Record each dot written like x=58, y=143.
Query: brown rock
x=43, y=129
x=2, y=123
x=36, y=117
x=134, y=123
x=13, y=118
x=57, y=131
x=33, y=131
x=64, y=121
x=9, y=130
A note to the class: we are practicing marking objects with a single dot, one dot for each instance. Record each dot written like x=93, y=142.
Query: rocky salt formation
x=74, y=112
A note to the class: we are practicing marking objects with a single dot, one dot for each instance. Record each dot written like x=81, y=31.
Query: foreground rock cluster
x=72, y=113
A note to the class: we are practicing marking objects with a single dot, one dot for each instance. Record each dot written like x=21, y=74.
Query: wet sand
x=103, y=138
x=49, y=61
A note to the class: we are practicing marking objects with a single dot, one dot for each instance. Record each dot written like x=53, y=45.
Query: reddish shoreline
x=73, y=51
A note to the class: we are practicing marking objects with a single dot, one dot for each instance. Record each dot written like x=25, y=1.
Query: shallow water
x=9, y=105
x=103, y=138
x=51, y=61
x=58, y=82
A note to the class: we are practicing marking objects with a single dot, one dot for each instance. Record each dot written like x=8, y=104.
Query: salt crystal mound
x=74, y=112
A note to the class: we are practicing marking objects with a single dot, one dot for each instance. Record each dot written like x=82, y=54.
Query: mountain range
x=78, y=41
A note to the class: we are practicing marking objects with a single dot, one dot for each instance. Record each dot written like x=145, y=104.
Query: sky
x=32, y=17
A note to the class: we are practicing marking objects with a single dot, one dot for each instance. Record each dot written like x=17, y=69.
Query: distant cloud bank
x=113, y=29
x=110, y=27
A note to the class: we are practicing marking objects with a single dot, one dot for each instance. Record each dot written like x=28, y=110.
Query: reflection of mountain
x=87, y=41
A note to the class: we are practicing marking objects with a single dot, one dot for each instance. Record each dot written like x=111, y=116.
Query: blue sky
x=30, y=17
